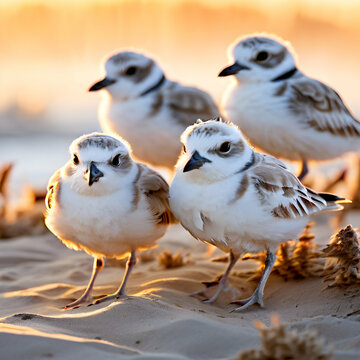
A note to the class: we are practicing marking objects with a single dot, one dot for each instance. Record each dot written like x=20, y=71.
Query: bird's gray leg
x=97, y=267
x=129, y=265
x=304, y=170
x=257, y=296
x=223, y=282
x=121, y=291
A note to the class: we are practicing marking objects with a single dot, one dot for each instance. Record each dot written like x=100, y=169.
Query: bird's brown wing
x=283, y=194
x=156, y=191
x=52, y=188
x=189, y=104
x=322, y=108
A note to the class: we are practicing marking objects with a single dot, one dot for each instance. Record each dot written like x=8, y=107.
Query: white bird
x=281, y=110
x=147, y=109
x=103, y=202
x=226, y=194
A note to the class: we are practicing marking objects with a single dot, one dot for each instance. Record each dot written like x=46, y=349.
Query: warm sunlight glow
x=52, y=50
x=23, y=330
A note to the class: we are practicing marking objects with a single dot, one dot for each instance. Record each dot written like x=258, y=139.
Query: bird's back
x=295, y=118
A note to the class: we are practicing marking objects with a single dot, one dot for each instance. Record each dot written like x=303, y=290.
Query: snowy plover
x=106, y=204
x=281, y=110
x=147, y=109
x=226, y=194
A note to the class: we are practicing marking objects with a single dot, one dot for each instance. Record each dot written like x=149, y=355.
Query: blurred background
x=51, y=52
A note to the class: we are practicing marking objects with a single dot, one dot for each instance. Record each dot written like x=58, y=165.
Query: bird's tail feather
x=334, y=202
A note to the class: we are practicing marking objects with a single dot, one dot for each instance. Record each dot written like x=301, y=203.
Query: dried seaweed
x=221, y=259
x=25, y=219
x=280, y=343
x=294, y=260
x=169, y=261
x=147, y=256
x=5, y=172
x=345, y=248
x=355, y=182
x=306, y=262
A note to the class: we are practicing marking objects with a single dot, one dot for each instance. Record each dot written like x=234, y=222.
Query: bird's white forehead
x=98, y=146
x=255, y=43
x=123, y=59
x=211, y=132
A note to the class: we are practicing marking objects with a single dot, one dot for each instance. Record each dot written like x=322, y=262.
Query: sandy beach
x=52, y=54
x=159, y=320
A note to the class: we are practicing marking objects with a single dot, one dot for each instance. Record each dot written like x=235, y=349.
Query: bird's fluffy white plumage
x=297, y=118
x=243, y=202
x=227, y=195
x=113, y=216
x=151, y=121
x=106, y=204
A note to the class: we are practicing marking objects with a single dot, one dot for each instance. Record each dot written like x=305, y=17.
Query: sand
x=159, y=320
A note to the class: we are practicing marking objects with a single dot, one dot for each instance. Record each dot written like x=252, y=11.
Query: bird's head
x=100, y=164
x=128, y=74
x=259, y=59
x=212, y=151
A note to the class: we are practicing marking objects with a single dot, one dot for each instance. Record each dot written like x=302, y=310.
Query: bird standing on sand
x=226, y=194
x=147, y=109
x=106, y=204
x=281, y=110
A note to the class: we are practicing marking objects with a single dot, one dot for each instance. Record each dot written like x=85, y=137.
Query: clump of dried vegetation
x=280, y=343
x=26, y=219
x=147, y=256
x=295, y=260
x=345, y=248
x=167, y=260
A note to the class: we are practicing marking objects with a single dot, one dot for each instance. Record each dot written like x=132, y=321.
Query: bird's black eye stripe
x=184, y=148
x=131, y=70
x=115, y=160
x=75, y=160
x=225, y=147
x=262, y=56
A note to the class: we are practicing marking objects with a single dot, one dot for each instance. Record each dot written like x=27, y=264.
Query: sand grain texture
x=39, y=275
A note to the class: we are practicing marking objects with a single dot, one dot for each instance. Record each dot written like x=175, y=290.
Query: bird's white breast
x=106, y=225
x=154, y=137
x=263, y=118
x=268, y=122
x=214, y=214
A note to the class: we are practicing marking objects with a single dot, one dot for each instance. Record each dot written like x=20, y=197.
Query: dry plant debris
x=170, y=261
x=345, y=247
x=147, y=256
x=305, y=256
x=280, y=343
x=221, y=259
x=5, y=171
x=295, y=260
x=355, y=181
x=26, y=219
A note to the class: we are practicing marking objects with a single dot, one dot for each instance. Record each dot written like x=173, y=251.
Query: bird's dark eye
x=76, y=160
x=184, y=149
x=116, y=160
x=262, y=56
x=130, y=70
x=225, y=147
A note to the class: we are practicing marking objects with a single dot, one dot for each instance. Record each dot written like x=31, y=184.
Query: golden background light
x=51, y=50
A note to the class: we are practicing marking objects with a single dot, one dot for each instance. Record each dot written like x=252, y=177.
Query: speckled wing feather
x=323, y=108
x=52, y=188
x=282, y=192
x=156, y=190
x=188, y=104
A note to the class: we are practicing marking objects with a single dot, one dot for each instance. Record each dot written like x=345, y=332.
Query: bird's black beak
x=196, y=161
x=93, y=174
x=102, y=84
x=233, y=69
